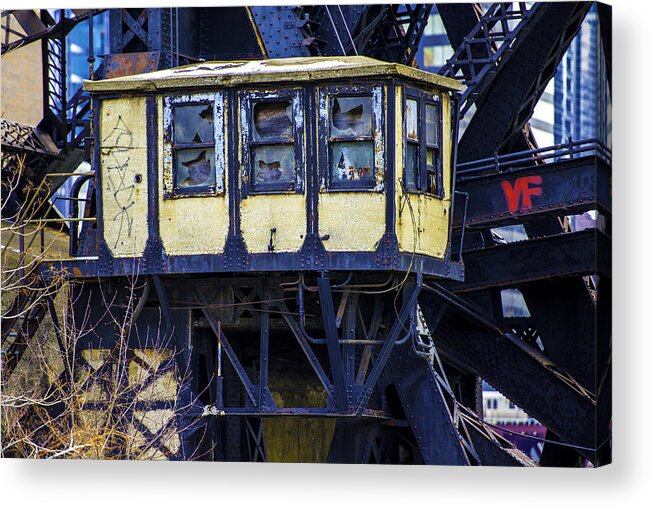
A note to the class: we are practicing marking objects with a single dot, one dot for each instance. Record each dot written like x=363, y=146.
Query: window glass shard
x=433, y=176
x=273, y=164
x=193, y=124
x=352, y=161
x=272, y=120
x=411, y=166
x=351, y=116
x=432, y=124
x=195, y=168
x=411, y=117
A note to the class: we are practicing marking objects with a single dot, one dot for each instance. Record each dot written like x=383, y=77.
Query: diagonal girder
x=389, y=32
x=506, y=105
x=472, y=341
x=491, y=48
x=35, y=27
x=459, y=20
x=491, y=448
x=486, y=48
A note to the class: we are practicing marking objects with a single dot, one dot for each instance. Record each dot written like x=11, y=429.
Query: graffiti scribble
x=116, y=146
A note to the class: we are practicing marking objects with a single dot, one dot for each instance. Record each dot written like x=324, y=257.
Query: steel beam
x=249, y=387
x=459, y=19
x=491, y=448
x=37, y=27
x=514, y=195
x=587, y=252
x=380, y=361
x=429, y=417
x=472, y=341
x=334, y=351
x=352, y=441
x=507, y=104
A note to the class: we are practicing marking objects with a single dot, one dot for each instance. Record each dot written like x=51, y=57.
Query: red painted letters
x=521, y=188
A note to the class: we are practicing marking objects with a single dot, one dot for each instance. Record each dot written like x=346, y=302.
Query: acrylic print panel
x=406, y=260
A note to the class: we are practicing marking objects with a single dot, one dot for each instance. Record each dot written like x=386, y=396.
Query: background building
x=77, y=50
x=575, y=104
x=22, y=82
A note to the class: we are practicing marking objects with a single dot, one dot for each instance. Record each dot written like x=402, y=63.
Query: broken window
x=423, y=169
x=351, y=117
x=412, y=155
x=351, y=141
x=271, y=154
x=272, y=145
x=193, y=148
x=433, y=162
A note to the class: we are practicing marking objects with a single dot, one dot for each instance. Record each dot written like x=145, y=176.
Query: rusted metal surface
x=127, y=64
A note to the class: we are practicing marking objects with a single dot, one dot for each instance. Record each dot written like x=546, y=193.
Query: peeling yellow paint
x=190, y=225
x=421, y=219
x=123, y=162
x=348, y=221
x=354, y=221
x=284, y=212
x=297, y=439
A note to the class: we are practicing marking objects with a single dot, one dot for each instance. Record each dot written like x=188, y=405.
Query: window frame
x=423, y=100
x=246, y=99
x=170, y=103
x=417, y=185
x=326, y=96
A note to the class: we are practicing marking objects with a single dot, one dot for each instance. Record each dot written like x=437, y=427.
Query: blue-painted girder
x=516, y=194
x=249, y=387
x=471, y=340
x=516, y=264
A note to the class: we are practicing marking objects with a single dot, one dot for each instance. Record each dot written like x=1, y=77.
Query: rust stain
x=128, y=64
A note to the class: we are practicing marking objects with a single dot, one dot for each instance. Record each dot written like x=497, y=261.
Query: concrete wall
x=22, y=83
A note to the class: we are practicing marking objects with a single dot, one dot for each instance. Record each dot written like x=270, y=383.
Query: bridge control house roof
x=340, y=163
x=280, y=70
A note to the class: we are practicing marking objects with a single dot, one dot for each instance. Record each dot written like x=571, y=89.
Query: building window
x=433, y=159
x=355, y=151
x=193, y=150
x=434, y=57
x=423, y=164
x=412, y=138
x=272, y=127
x=434, y=25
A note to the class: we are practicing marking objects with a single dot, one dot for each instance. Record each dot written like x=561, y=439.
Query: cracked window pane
x=433, y=176
x=273, y=164
x=351, y=116
x=411, y=166
x=195, y=168
x=432, y=124
x=272, y=120
x=411, y=117
x=352, y=161
x=193, y=124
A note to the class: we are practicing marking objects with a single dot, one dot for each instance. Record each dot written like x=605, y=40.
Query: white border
x=627, y=482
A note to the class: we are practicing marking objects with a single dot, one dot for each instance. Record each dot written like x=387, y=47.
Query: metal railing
x=33, y=207
x=522, y=159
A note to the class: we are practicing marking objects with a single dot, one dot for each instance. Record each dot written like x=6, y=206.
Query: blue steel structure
x=397, y=396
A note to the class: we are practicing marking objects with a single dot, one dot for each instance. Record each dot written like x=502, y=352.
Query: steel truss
x=395, y=397
x=385, y=388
